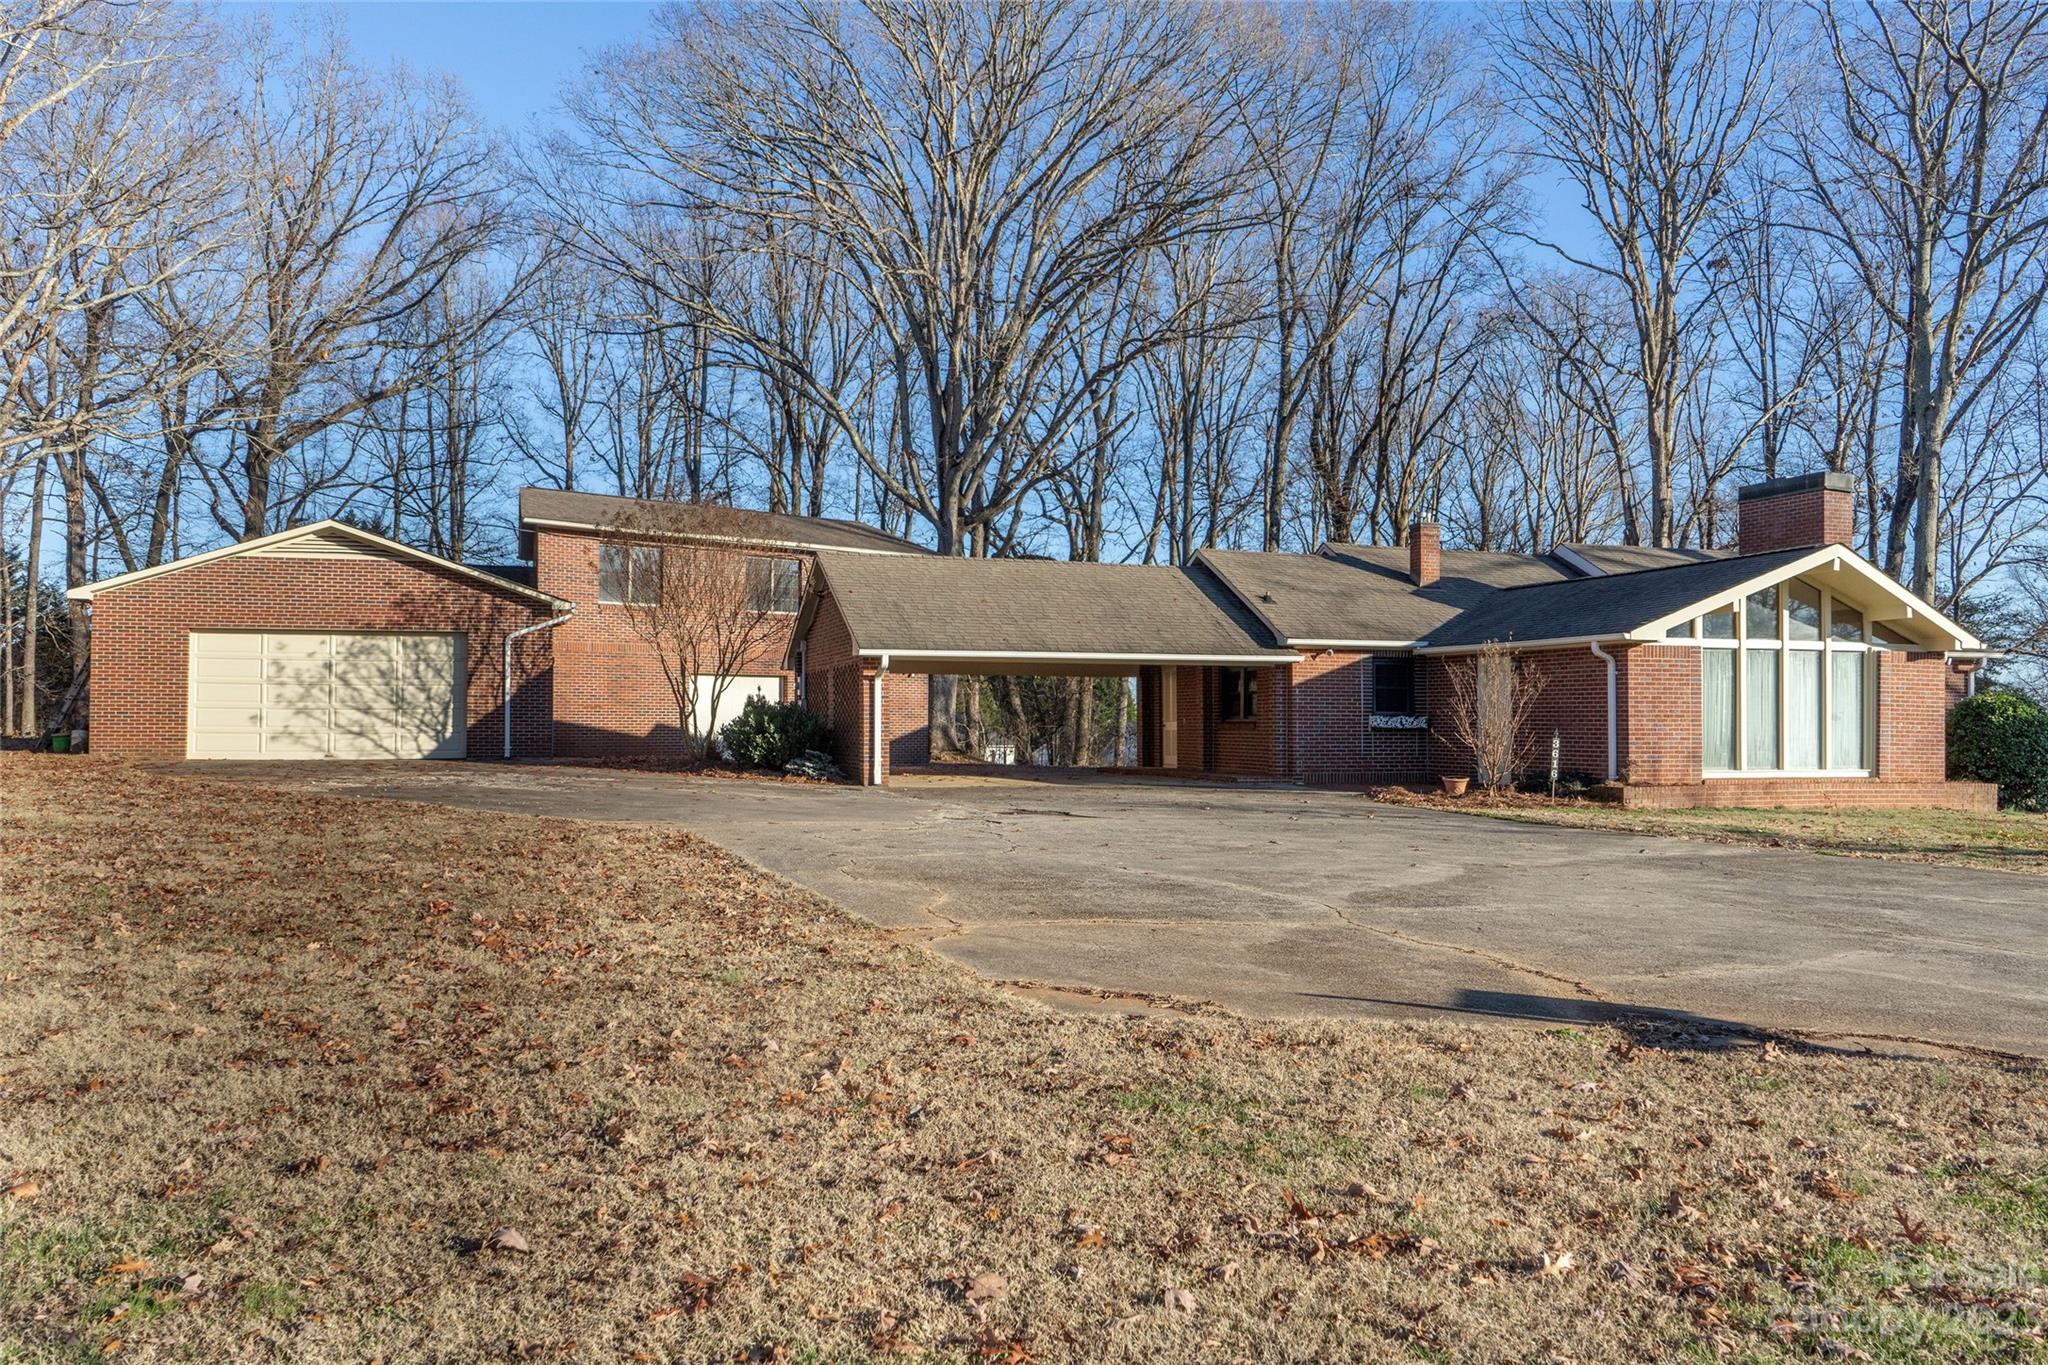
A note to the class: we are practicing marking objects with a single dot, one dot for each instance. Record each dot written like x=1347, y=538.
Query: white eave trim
x=1350, y=644
x=640, y=533
x=311, y=528
x=1061, y=656
x=1839, y=559
x=1549, y=642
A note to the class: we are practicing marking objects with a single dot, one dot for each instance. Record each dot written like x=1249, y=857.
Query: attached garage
x=324, y=641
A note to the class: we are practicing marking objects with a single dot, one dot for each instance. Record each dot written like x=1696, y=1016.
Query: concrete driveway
x=1292, y=903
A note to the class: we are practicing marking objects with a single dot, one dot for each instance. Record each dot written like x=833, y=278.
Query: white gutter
x=629, y=533
x=1613, y=763
x=1057, y=656
x=881, y=670
x=510, y=636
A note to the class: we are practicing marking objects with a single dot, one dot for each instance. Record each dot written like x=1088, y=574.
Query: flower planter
x=1454, y=786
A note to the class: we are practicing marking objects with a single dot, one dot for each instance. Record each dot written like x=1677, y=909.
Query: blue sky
x=513, y=58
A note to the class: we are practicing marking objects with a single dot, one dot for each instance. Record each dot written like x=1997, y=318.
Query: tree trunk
x=32, y=608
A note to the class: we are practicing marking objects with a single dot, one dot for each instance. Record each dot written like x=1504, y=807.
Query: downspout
x=881, y=668
x=510, y=636
x=1613, y=764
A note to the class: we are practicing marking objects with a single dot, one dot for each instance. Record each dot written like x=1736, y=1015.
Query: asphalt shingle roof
x=1615, y=605
x=931, y=603
x=599, y=511
x=1362, y=592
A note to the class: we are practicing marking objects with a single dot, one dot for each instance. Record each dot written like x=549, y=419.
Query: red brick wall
x=141, y=640
x=1242, y=748
x=1331, y=740
x=1912, y=715
x=1657, y=713
x=1814, y=793
x=611, y=697
x=834, y=687
x=906, y=720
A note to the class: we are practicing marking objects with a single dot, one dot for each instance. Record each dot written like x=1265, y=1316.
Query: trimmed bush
x=768, y=734
x=2001, y=736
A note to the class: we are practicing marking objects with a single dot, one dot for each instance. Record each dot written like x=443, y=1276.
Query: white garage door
x=734, y=700
x=256, y=695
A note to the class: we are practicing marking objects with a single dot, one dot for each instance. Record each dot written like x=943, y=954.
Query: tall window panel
x=1802, y=708
x=1760, y=708
x=1717, y=708
x=1848, y=710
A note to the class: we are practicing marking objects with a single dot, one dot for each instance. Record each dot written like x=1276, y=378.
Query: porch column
x=880, y=740
x=1169, y=717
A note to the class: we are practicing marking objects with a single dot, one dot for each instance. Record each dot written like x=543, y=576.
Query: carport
x=870, y=618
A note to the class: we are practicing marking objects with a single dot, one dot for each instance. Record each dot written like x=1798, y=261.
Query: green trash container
x=60, y=741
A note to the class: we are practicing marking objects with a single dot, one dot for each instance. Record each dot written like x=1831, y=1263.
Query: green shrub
x=768, y=734
x=2000, y=736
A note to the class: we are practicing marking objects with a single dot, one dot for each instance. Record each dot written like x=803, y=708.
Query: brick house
x=1786, y=671
x=326, y=640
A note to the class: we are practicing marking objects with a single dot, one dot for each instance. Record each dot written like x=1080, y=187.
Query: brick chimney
x=1790, y=514
x=1425, y=553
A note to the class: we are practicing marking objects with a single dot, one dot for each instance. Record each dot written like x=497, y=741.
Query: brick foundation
x=1801, y=793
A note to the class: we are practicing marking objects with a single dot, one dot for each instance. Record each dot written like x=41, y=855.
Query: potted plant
x=1454, y=786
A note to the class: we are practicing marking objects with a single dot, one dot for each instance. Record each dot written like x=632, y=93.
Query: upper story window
x=629, y=573
x=1393, y=684
x=1240, y=700
x=772, y=584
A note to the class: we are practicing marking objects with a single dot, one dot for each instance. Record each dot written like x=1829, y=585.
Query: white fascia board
x=1549, y=642
x=1065, y=657
x=1836, y=557
x=291, y=533
x=1350, y=644
x=691, y=537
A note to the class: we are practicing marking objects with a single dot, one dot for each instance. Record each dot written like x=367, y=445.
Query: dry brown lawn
x=309, y=1079
x=2003, y=841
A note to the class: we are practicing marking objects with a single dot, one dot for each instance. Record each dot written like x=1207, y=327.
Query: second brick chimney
x=1425, y=553
x=1790, y=514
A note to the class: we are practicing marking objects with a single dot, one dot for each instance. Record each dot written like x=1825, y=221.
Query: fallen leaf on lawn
x=1087, y=1235
x=506, y=1239
x=1178, y=1301
x=1225, y=1272
x=24, y=1189
x=987, y=1287
x=1557, y=1263
x=1361, y=1189
x=128, y=1265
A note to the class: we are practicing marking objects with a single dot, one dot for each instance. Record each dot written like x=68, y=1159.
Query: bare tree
x=1648, y=110
x=1930, y=165
x=361, y=194
x=1493, y=695
x=694, y=604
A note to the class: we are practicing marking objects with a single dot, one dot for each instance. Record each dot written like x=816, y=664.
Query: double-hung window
x=1240, y=688
x=1393, y=684
x=629, y=573
x=772, y=584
